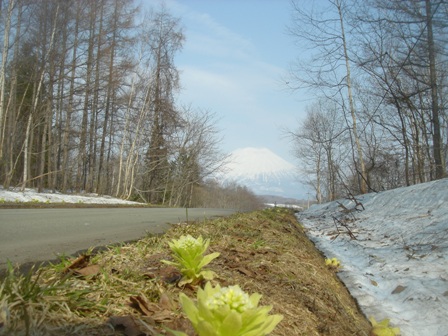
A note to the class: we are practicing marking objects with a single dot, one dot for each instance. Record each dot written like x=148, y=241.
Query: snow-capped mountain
x=262, y=171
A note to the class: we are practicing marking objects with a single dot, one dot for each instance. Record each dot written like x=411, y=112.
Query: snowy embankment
x=30, y=195
x=393, y=247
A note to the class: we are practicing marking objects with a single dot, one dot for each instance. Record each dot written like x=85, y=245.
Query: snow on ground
x=30, y=195
x=397, y=267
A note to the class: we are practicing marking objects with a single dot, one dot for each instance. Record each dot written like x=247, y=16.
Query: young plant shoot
x=188, y=254
x=228, y=311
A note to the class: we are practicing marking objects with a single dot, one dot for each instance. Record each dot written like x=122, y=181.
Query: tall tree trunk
x=123, y=139
x=2, y=76
x=36, y=96
x=70, y=107
x=10, y=119
x=437, y=142
x=362, y=172
x=82, y=150
x=109, y=102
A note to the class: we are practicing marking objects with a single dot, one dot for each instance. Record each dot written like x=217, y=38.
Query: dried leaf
x=141, y=303
x=163, y=316
x=399, y=289
x=80, y=262
x=165, y=302
x=181, y=324
x=126, y=324
x=89, y=270
x=245, y=271
x=170, y=274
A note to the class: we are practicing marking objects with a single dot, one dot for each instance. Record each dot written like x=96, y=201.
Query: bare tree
x=6, y=34
x=36, y=95
x=196, y=156
x=400, y=56
x=165, y=40
x=437, y=141
x=324, y=30
x=318, y=142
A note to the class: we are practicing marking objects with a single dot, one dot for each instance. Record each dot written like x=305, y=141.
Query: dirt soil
x=126, y=290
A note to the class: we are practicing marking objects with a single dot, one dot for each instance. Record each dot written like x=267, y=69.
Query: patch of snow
x=397, y=267
x=31, y=195
x=281, y=205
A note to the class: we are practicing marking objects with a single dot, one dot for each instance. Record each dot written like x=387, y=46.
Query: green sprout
x=333, y=263
x=228, y=311
x=188, y=254
x=382, y=328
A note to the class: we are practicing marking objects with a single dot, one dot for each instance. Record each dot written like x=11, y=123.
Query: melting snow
x=397, y=267
x=30, y=195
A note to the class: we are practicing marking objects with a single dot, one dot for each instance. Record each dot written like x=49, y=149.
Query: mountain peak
x=262, y=171
x=250, y=160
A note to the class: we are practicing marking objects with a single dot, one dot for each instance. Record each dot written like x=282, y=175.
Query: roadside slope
x=265, y=252
x=394, y=252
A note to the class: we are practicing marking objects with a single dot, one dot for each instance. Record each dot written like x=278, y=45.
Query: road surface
x=34, y=235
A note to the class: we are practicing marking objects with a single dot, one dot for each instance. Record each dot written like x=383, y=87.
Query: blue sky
x=234, y=58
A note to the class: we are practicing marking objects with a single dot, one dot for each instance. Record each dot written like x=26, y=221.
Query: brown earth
x=126, y=290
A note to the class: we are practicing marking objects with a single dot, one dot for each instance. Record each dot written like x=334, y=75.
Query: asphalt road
x=35, y=235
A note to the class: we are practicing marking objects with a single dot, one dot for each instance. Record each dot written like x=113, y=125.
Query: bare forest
x=87, y=103
x=377, y=73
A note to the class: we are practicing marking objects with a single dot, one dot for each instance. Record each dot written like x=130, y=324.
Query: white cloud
x=214, y=89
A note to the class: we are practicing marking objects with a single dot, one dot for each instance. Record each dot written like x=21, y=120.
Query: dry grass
x=131, y=292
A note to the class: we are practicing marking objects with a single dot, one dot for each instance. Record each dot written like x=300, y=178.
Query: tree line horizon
x=88, y=101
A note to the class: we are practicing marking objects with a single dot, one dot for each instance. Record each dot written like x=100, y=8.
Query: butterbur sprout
x=383, y=329
x=188, y=254
x=333, y=263
x=228, y=311
x=231, y=296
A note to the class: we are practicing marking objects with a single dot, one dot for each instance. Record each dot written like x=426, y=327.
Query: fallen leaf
x=163, y=316
x=373, y=282
x=170, y=274
x=141, y=303
x=399, y=289
x=126, y=324
x=80, y=262
x=88, y=270
x=245, y=271
x=181, y=324
x=165, y=302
